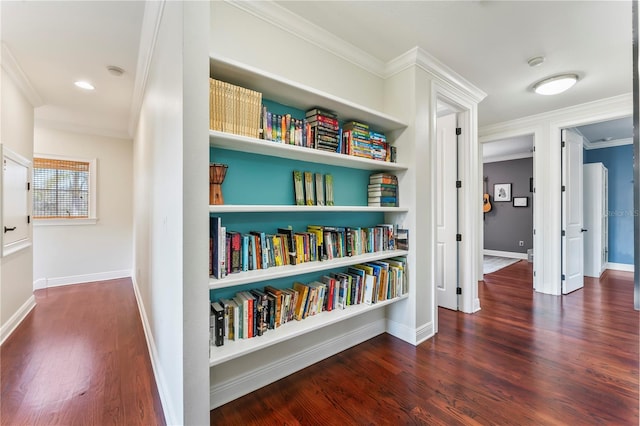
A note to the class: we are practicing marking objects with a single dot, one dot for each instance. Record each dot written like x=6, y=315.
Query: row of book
x=382, y=190
x=252, y=313
x=320, y=129
x=306, y=193
x=233, y=252
x=234, y=109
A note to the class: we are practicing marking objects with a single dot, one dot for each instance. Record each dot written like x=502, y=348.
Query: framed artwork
x=520, y=201
x=502, y=192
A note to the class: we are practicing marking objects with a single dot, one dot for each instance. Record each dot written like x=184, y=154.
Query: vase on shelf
x=217, y=173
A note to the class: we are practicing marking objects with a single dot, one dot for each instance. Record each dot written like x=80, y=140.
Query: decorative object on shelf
x=520, y=201
x=501, y=192
x=217, y=173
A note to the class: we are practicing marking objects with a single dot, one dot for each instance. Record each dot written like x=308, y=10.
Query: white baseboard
x=161, y=382
x=509, y=254
x=476, y=305
x=620, y=267
x=402, y=332
x=221, y=393
x=41, y=283
x=15, y=320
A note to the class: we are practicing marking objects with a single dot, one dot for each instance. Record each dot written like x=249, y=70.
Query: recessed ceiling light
x=114, y=70
x=556, y=84
x=84, y=85
x=535, y=61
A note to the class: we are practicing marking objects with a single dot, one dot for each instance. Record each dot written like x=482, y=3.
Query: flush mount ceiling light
x=114, y=70
x=556, y=84
x=84, y=85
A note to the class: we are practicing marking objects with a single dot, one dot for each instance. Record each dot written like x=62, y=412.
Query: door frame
x=547, y=127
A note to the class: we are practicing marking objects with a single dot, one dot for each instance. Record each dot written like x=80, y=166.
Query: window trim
x=92, y=218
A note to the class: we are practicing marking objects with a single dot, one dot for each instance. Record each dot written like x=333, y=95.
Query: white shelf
x=292, y=152
x=303, y=268
x=234, y=208
x=298, y=95
x=234, y=349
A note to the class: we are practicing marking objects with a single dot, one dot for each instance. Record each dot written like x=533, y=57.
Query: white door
x=446, y=212
x=572, y=238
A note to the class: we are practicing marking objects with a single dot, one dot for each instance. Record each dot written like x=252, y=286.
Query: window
x=63, y=188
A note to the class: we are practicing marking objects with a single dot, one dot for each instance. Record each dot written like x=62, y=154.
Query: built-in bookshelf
x=261, y=152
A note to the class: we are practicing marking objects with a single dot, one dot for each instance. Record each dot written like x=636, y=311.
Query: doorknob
x=9, y=229
x=583, y=230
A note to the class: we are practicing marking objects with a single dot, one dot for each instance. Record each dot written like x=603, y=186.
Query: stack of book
x=383, y=190
x=234, y=109
x=324, y=130
x=356, y=139
x=379, y=147
x=253, y=312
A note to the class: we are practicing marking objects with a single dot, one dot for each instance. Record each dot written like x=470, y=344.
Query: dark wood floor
x=525, y=359
x=80, y=358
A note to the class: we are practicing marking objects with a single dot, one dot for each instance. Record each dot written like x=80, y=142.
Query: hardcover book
x=308, y=189
x=328, y=189
x=319, y=190
x=298, y=188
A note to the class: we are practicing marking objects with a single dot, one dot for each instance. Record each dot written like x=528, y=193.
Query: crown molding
x=17, y=74
x=419, y=57
x=148, y=36
x=286, y=20
x=84, y=130
x=607, y=144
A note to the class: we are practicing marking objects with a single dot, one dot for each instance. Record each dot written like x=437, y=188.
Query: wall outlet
x=521, y=243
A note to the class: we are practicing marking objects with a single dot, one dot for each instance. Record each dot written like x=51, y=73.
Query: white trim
x=419, y=57
x=161, y=381
x=509, y=254
x=507, y=157
x=263, y=375
x=46, y=123
x=80, y=279
x=403, y=332
x=64, y=222
x=16, y=319
x=286, y=20
x=17, y=74
x=148, y=36
x=620, y=267
x=476, y=305
x=607, y=144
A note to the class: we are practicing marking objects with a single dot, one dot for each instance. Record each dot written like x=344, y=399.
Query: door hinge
x=458, y=237
x=458, y=290
x=28, y=219
x=458, y=184
x=28, y=186
x=534, y=232
x=563, y=233
x=563, y=277
x=563, y=189
x=563, y=144
x=458, y=131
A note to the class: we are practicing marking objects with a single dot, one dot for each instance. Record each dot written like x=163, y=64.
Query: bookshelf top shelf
x=234, y=349
x=298, y=95
x=299, y=153
x=247, y=208
x=303, y=268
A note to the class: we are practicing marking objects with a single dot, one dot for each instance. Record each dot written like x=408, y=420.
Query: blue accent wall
x=619, y=162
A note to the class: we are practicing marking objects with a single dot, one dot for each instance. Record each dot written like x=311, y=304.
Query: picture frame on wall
x=520, y=201
x=502, y=192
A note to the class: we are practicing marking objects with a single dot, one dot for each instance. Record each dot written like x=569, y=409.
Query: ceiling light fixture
x=84, y=85
x=114, y=70
x=556, y=84
x=535, y=61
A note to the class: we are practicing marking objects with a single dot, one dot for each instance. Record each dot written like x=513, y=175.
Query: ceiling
x=486, y=42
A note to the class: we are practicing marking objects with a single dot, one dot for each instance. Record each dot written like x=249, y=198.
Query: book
x=328, y=189
x=319, y=190
x=288, y=234
x=301, y=305
x=402, y=239
x=218, y=323
x=298, y=188
x=215, y=230
x=308, y=189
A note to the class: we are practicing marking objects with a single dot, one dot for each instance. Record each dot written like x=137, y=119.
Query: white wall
x=65, y=254
x=16, y=273
x=170, y=159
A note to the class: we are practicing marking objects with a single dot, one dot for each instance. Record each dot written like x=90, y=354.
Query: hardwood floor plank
x=524, y=359
x=80, y=358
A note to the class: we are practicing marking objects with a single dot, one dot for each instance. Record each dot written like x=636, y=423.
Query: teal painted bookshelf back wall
x=260, y=179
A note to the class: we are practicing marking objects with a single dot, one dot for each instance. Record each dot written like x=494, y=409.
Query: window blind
x=60, y=188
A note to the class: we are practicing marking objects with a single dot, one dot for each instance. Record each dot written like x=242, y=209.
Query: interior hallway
x=80, y=358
